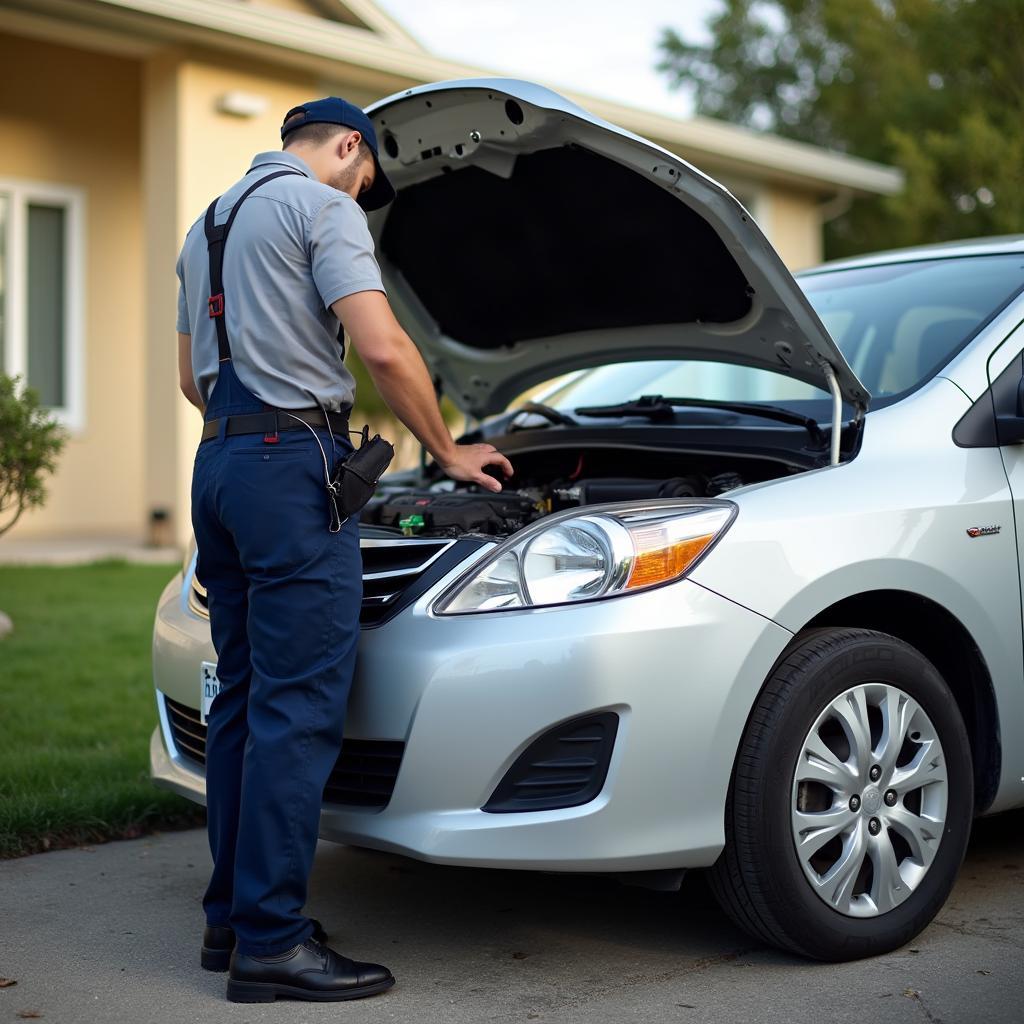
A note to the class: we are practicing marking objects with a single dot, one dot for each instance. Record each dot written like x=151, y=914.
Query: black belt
x=269, y=423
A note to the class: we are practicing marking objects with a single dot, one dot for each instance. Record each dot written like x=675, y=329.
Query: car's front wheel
x=851, y=799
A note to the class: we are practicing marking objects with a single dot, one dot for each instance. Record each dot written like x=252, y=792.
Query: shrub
x=30, y=442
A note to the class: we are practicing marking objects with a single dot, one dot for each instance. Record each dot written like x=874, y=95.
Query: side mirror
x=1010, y=429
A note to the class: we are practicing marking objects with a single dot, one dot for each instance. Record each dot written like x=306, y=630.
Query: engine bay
x=551, y=481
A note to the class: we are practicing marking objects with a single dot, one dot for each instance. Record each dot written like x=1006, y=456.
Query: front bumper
x=680, y=665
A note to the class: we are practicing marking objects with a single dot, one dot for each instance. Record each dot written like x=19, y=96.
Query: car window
x=898, y=324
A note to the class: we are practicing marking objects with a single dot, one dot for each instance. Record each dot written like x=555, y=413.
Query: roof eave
x=796, y=161
x=296, y=40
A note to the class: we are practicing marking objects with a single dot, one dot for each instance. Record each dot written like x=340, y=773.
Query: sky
x=588, y=45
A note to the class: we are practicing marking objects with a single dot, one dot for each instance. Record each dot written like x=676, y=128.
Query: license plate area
x=209, y=687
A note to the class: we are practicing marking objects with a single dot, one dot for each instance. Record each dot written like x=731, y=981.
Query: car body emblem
x=982, y=531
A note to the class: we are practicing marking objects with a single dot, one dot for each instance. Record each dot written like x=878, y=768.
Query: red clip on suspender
x=216, y=239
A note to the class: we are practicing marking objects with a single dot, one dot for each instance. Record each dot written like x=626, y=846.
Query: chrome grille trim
x=403, y=575
x=405, y=544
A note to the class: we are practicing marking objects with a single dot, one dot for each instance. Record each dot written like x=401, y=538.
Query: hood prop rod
x=837, y=412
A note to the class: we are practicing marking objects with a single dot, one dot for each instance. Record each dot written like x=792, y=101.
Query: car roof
x=996, y=245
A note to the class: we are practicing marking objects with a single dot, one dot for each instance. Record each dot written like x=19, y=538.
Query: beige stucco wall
x=215, y=148
x=81, y=129
x=792, y=221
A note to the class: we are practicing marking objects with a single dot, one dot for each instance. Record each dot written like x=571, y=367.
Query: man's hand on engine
x=467, y=463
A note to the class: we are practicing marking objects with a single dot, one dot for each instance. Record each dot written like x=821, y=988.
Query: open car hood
x=530, y=238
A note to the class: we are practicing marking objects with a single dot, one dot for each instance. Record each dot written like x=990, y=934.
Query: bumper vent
x=565, y=767
x=363, y=776
x=395, y=572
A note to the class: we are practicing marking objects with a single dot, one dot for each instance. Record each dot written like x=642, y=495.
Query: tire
x=814, y=696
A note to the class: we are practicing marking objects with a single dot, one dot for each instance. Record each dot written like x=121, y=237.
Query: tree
x=934, y=87
x=30, y=442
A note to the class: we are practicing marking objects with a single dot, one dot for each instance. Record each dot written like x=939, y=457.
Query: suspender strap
x=216, y=239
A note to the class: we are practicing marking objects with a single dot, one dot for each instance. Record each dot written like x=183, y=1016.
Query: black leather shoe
x=310, y=971
x=218, y=941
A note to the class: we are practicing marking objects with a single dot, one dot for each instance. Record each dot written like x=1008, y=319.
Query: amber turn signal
x=660, y=558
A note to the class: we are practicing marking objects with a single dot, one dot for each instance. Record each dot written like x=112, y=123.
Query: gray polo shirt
x=295, y=247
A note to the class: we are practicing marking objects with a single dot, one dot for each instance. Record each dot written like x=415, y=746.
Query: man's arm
x=401, y=377
x=186, y=381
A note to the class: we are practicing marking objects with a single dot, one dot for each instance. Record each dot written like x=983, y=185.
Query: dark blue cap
x=334, y=110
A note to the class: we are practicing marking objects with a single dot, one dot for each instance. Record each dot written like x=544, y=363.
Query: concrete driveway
x=111, y=934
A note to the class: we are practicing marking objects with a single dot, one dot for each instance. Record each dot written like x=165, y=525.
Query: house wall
x=792, y=221
x=71, y=117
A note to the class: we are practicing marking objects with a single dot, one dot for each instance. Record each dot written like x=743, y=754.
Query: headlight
x=580, y=556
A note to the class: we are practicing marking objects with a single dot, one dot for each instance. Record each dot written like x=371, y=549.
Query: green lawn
x=77, y=707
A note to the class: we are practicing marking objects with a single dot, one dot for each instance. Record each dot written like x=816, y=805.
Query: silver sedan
x=751, y=602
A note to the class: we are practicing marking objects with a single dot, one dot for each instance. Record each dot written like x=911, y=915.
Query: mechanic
x=260, y=354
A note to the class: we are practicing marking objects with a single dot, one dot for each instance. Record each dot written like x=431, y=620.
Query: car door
x=996, y=420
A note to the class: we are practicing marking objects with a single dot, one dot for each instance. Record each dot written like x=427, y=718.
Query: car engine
x=447, y=509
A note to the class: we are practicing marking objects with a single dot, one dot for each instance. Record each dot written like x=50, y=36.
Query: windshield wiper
x=659, y=409
x=545, y=412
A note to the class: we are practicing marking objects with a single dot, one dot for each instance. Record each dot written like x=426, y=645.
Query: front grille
x=363, y=776
x=391, y=568
x=188, y=732
x=565, y=767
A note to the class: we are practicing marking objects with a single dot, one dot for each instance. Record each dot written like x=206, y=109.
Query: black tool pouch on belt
x=355, y=477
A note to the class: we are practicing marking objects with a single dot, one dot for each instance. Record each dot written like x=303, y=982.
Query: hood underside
x=529, y=238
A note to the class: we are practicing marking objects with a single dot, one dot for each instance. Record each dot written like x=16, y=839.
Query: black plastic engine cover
x=594, y=492
x=453, y=514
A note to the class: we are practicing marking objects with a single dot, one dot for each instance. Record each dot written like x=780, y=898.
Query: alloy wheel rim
x=869, y=798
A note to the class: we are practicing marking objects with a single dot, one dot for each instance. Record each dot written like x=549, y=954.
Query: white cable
x=323, y=453
x=332, y=489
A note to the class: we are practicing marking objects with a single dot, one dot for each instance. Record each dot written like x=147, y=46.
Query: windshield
x=895, y=324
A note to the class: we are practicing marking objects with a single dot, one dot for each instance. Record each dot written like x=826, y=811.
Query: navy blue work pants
x=284, y=597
